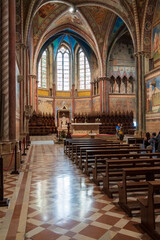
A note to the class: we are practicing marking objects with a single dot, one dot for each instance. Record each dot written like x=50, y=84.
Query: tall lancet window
x=63, y=69
x=42, y=71
x=84, y=71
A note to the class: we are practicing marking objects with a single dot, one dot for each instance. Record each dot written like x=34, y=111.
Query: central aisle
x=65, y=204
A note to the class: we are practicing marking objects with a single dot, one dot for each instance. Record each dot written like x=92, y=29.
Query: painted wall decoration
x=122, y=71
x=45, y=105
x=121, y=104
x=156, y=18
x=156, y=42
x=44, y=17
x=82, y=106
x=153, y=95
x=96, y=104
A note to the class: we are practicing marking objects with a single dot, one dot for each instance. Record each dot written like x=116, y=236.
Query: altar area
x=63, y=118
x=85, y=128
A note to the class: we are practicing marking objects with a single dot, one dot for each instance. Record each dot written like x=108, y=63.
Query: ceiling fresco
x=99, y=27
x=44, y=18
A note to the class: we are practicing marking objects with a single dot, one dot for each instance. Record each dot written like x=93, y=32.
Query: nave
x=55, y=200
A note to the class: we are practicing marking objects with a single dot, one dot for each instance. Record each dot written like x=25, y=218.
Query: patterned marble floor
x=52, y=199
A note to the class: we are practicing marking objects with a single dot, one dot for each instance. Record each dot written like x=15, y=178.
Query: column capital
x=142, y=53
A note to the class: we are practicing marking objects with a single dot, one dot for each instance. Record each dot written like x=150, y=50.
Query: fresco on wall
x=153, y=95
x=96, y=104
x=82, y=106
x=156, y=42
x=45, y=106
x=122, y=71
x=156, y=18
x=122, y=104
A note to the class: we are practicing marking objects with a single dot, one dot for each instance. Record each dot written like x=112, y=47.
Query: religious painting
x=153, y=95
x=156, y=42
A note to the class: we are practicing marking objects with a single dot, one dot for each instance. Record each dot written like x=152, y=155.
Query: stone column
x=27, y=76
x=4, y=70
x=73, y=100
x=104, y=94
x=50, y=48
x=54, y=96
x=12, y=70
x=101, y=92
x=92, y=85
x=31, y=77
x=140, y=94
x=22, y=91
x=35, y=92
x=107, y=93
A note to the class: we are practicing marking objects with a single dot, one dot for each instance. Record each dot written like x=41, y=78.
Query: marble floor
x=52, y=199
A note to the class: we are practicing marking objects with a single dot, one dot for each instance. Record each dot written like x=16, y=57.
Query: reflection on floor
x=52, y=199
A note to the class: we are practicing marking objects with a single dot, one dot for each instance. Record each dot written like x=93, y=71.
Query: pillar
x=22, y=91
x=54, y=97
x=12, y=70
x=140, y=94
x=92, y=87
x=4, y=70
x=73, y=100
x=101, y=93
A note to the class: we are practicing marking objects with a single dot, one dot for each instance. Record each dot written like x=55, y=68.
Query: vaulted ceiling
x=97, y=22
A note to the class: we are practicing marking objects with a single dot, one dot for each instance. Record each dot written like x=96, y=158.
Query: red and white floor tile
x=52, y=199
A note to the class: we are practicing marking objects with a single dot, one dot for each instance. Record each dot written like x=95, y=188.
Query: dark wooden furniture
x=148, y=207
x=134, y=186
x=41, y=124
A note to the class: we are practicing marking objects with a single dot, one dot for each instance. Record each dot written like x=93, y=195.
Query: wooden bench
x=82, y=151
x=134, y=186
x=69, y=145
x=90, y=155
x=99, y=160
x=114, y=171
x=148, y=206
x=76, y=147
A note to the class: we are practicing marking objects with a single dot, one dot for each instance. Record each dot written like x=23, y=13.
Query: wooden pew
x=134, y=186
x=68, y=141
x=69, y=146
x=81, y=150
x=148, y=206
x=100, y=161
x=114, y=171
x=90, y=155
x=76, y=147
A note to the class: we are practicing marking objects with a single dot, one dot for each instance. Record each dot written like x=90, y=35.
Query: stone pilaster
x=12, y=70
x=140, y=94
x=4, y=70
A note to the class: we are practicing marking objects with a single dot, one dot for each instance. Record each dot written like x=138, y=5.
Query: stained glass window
x=84, y=71
x=63, y=69
x=42, y=71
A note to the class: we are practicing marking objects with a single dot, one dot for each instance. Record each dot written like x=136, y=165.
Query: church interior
x=70, y=71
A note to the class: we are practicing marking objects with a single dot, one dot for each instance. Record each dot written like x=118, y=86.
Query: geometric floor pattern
x=57, y=201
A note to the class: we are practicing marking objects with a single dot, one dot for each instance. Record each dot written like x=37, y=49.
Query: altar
x=85, y=128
